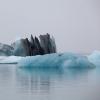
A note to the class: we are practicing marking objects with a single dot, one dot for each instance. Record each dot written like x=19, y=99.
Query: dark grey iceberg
x=45, y=44
x=6, y=50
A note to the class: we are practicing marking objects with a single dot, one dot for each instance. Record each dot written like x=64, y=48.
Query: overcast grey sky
x=75, y=24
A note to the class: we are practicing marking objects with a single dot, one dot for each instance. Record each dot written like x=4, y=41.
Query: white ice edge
x=10, y=59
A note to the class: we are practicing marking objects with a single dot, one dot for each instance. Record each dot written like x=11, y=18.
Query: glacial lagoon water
x=48, y=84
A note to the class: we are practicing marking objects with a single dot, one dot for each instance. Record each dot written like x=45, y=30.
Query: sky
x=75, y=24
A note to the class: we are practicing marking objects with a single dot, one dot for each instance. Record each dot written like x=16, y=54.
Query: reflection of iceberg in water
x=36, y=80
x=5, y=72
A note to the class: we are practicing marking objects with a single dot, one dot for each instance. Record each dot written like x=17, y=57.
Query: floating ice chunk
x=9, y=60
x=56, y=60
x=95, y=58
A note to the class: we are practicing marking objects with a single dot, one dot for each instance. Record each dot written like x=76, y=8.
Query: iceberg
x=5, y=50
x=44, y=44
x=56, y=60
x=95, y=58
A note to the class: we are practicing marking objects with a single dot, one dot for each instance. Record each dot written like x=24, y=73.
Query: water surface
x=48, y=84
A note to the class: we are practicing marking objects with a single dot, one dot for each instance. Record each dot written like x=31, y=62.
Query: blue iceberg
x=95, y=58
x=56, y=60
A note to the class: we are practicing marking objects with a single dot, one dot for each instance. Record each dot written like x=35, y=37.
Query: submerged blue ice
x=56, y=60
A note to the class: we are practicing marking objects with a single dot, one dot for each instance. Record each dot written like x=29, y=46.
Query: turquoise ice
x=56, y=60
x=95, y=58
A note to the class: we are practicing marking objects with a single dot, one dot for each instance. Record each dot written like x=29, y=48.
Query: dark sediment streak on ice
x=35, y=46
